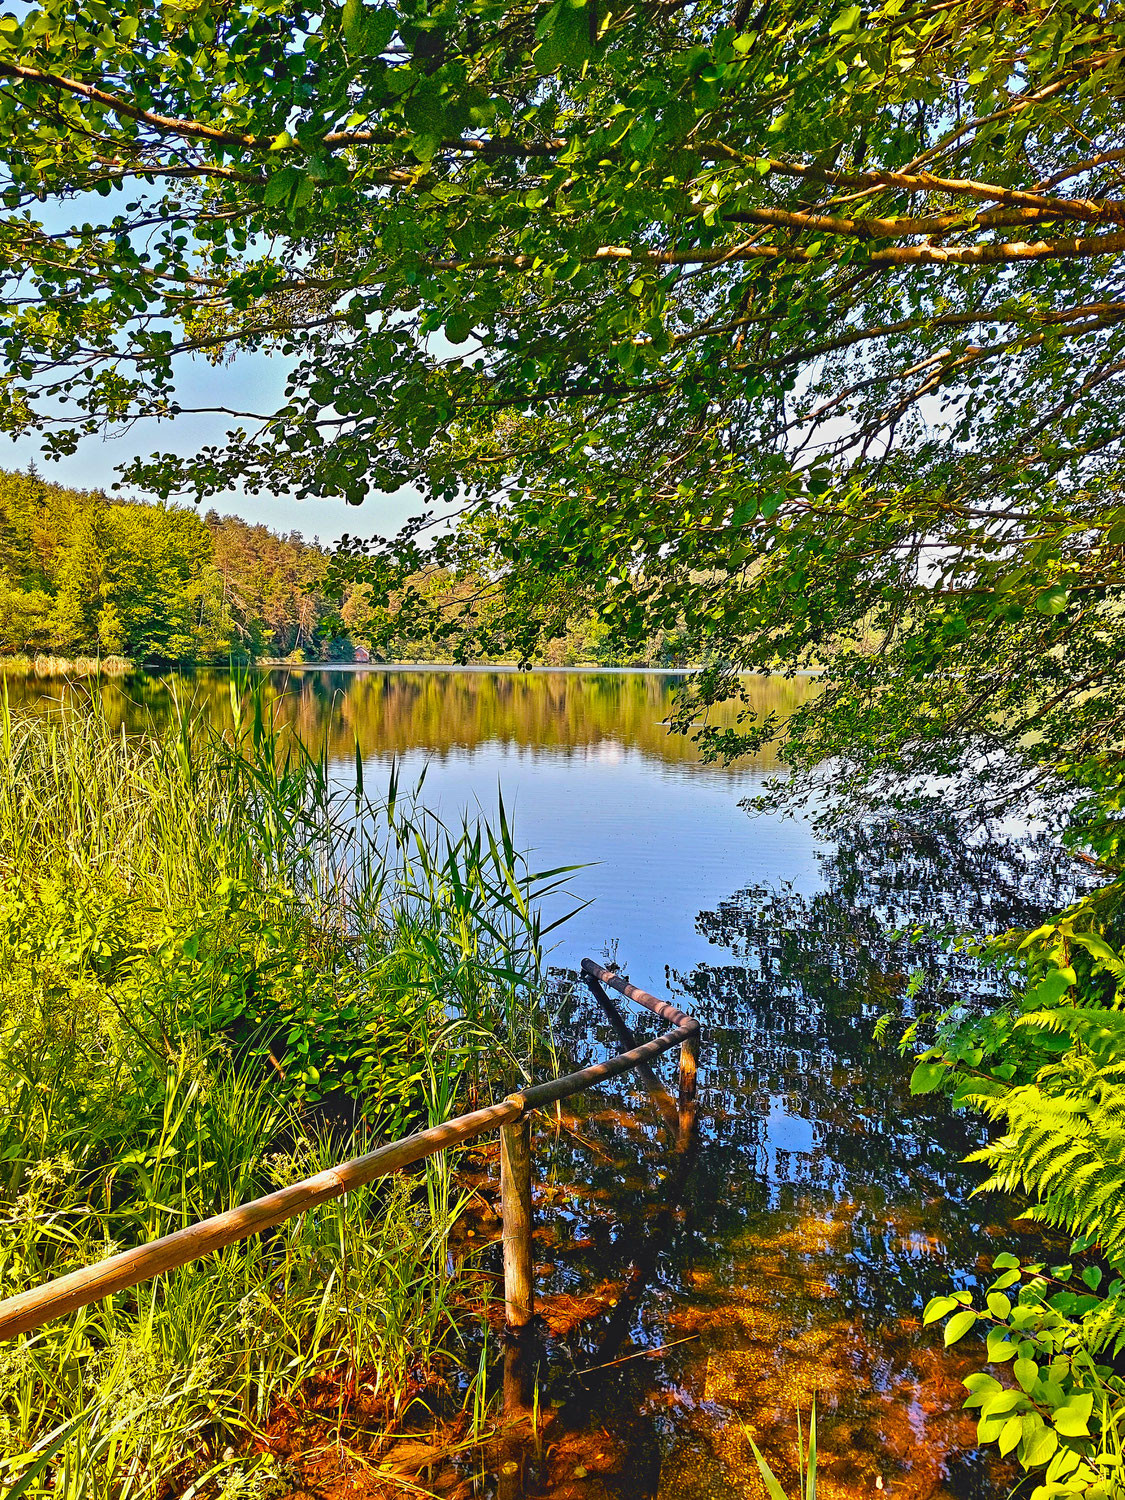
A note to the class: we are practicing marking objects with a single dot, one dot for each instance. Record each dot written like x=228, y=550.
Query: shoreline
x=54, y=668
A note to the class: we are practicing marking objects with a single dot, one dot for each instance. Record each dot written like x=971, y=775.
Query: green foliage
x=1048, y=1067
x=219, y=975
x=83, y=574
x=796, y=332
x=1062, y=1414
x=80, y=574
x=806, y=1462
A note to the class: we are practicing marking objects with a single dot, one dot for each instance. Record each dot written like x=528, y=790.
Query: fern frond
x=1064, y=1134
x=1101, y=1031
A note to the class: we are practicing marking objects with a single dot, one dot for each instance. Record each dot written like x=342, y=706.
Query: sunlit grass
x=219, y=972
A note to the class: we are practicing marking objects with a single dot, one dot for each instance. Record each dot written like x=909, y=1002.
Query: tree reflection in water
x=442, y=711
x=822, y=1207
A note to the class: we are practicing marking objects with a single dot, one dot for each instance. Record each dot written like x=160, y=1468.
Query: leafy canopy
x=796, y=329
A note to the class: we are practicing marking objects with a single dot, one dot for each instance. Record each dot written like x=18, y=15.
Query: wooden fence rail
x=53, y=1299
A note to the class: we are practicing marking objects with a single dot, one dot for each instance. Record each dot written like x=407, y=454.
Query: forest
x=86, y=576
x=82, y=575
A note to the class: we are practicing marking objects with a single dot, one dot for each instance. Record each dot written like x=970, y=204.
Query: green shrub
x=1047, y=1067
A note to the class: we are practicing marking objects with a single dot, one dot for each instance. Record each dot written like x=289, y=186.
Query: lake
x=788, y=1255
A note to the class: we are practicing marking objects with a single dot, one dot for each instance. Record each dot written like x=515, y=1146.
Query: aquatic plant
x=806, y=1462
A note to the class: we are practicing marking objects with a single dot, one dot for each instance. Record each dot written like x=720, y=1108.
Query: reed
x=47, y=664
x=222, y=967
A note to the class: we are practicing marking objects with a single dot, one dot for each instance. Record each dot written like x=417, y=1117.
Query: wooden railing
x=53, y=1299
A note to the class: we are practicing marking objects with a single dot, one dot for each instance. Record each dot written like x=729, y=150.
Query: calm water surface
x=789, y=1253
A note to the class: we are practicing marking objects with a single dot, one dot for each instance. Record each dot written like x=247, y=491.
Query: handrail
x=53, y=1299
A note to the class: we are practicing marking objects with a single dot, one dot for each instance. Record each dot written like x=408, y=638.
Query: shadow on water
x=694, y=1295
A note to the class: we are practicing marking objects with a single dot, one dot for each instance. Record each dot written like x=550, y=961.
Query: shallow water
x=788, y=1252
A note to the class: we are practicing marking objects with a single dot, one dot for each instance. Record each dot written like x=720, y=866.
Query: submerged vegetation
x=219, y=973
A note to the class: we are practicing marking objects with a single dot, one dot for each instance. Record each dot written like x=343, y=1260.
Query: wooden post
x=515, y=1207
x=689, y=1066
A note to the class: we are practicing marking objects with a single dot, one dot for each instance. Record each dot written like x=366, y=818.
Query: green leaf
x=1053, y=987
x=425, y=147
x=424, y=111
x=1098, y=948
x=958, y=1326
x=1011, y=1435
x=568, y=43
x=352, y=24
x=769, y=1479
x=936, y=1308
x=847, y=20
x=1072, y=1419
x=981, y=1385
x=54, y=1443
x=1039, y=1442
x=280, y=186
x=1052, y=601
x=458, y=327
x=1003, y=1402
x=928, y=1076
x=1000, y=1346
x=380, y=27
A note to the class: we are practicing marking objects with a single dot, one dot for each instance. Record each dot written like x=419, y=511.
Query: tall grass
x=220, y=971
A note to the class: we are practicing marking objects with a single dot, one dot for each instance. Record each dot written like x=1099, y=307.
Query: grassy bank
x=218, y=973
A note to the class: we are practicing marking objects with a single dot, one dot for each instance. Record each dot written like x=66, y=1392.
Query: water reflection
x=394, y=712
x=589, y=773
x=823, y=1208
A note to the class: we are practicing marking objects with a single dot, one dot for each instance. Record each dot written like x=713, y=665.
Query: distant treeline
x=85, y=575
x=81, y=573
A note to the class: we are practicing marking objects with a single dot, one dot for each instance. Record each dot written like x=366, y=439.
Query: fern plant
x=1048, y=1069
x=1064, y=1140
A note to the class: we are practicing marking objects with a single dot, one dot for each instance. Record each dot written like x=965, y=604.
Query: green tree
x=155, y=560
x=797, y=330
x=81, y=573
x=132, y=581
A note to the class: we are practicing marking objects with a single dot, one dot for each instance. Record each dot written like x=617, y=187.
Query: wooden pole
x=40, y=1304
x=689, y=1067
x=662, y=1098
x=515, y=1205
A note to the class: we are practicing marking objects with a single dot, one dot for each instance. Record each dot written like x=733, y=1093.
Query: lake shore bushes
x=1045, y=1065
x=218, y=974
x=89, y=582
